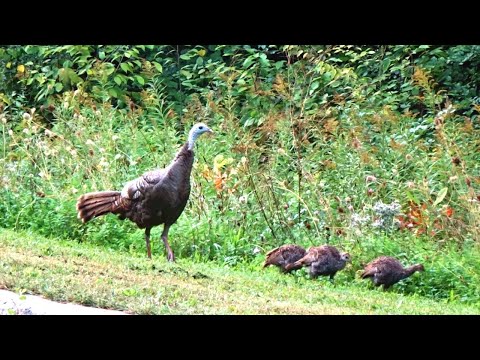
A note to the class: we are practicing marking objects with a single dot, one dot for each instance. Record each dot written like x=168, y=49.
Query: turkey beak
x=211, y=132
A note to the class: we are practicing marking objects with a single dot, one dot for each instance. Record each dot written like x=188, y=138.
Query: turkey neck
x=409, y=271
x=183, y=162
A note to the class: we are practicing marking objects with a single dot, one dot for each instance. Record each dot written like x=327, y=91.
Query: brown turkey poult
x=323, y=260
x=386, y=271
x=157, y=197
x=284, y=255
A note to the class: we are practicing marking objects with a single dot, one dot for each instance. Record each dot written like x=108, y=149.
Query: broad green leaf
x=441, y=195
x=385, y=64
x=101, y=55
x=314, y=86
x=74, y=78
x=58, y=87
x=158, y=66
x=279, y=64
x=63, y=75
x=110, y=69
x=186, y=73
x=264, y=60
x=248, y=61
x=140, y=79
x=125, y=67
x=118, y=80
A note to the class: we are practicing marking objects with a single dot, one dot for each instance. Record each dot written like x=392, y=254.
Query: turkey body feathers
x=322, y=260
x=387, y=271
x=157, y=197
x=283, y=256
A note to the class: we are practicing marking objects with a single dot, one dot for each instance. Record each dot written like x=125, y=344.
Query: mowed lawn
x=94, y=276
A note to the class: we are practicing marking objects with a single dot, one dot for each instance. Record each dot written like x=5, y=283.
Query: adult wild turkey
x=386, y=271
x=284, y=255
x=157, y=197
x=322, y=260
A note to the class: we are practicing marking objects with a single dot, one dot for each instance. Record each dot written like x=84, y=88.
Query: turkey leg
x=147, y=240
x=164, y=237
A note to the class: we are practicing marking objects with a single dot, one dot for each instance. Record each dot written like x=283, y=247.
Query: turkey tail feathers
x=94, y=204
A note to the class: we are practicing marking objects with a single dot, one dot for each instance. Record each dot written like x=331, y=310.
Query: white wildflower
x=10, y=132
x=89, y=142
x=386, y=213
x=26, y=116
x=358, y=220
x=256, y=250
x=118, y=157
x=115, y=137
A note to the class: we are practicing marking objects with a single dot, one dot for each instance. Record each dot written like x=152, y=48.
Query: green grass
x=95, y=276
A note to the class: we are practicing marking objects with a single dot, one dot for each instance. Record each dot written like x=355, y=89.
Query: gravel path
x=11, y=303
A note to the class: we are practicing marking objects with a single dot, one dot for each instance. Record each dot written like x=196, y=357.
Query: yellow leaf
x=21, y=68
x=9, y=65
x=219, y=162
x=201, y=52
x=206, y=172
